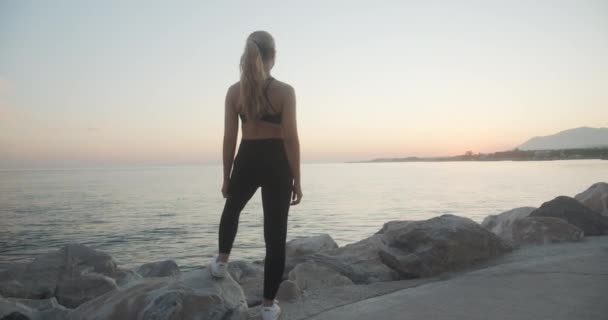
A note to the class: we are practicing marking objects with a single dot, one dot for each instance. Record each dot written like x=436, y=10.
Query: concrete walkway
x=553, y=282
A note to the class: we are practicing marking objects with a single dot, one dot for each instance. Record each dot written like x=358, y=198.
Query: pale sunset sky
x=95, y=83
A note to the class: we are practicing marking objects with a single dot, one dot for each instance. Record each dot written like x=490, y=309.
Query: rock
x=542, y=230
x=572, y=211
x=359, y=261
x=288, y=291
x=165, y=268
x=310, y=245
x=240, y=269
x=40, y=278
x=309, y=275
x=80, y=259
x=253, y=288
x=595, y=198
x=37, y=304
x=250, y=276
x=125, y=277
x=13, y=288
x=47, y=309
x=191, y=295
x=74, y=291
x=392, y=225
x=446, y=243
x=11, y=310
x=500, y=224
x=11, y=271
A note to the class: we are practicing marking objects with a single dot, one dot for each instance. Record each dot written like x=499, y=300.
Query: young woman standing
x=268, y=157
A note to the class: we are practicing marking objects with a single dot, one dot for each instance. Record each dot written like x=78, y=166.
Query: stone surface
x=359, y=261
x=517, y=228
x=240, y=269
x=572, y=211
x=74, y=291
x=47, y=309
x=309, y=275
x=288, y=291
x=500, y=224
x=166, y=268
x=563, y=281
x=14, y=310
x=250, y=277
x=191, y=295
x=595, y=198
x=310, y=245
x=40, y=278
x=543, y=230
x=446, y=243
x=125, y=277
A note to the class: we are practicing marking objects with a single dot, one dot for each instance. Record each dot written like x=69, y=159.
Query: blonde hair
x=259, y=48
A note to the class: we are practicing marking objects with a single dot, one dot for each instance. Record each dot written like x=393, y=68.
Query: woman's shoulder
x=277, y=86
x=282, y=86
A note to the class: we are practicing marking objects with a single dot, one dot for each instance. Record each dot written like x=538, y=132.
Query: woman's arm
x=231, y=130
x=292, y=142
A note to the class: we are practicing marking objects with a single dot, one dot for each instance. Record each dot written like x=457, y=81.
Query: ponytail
x=258, y=49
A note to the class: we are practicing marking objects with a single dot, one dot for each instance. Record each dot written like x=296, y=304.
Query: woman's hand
x=296, y=195
x=225, y=188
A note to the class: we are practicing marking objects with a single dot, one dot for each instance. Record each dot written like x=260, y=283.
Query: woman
x=268, y=157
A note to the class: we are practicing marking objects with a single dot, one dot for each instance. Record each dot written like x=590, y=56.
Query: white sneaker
x=218, y=269
x=271, y=312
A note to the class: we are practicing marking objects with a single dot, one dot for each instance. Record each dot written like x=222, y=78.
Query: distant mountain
x=583, y=137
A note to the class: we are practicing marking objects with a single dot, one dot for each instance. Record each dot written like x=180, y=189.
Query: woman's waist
x=262, y=141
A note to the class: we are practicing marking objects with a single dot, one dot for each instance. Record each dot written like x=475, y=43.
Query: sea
x=147, y=214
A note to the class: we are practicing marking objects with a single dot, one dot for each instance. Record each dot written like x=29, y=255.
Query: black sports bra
x=268, y=117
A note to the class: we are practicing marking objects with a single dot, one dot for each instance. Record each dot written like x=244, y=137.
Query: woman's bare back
x=279, y=95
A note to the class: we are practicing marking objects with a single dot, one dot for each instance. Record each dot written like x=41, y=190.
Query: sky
x=94, y=83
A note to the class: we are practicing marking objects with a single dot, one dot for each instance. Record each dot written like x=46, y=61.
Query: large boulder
x=288, y=291
x=517, y=228
x=571, y=210
x=166, y=268
x=15, y=310
x=40, y=278
x=125, y=277
x=74, y=291
x=595, y=198
x=250, y=277
x=501, y=224
x=309, y=275
x=191, y=295
x=543, y=230
x=310, y=245
x=242, y=270
x=359, y=261
x=446, y=243
x=47, y=309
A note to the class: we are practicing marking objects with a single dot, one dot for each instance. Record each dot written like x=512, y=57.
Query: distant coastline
x=511, y=155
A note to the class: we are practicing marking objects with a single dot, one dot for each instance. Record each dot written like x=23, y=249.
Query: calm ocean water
x=146, y=214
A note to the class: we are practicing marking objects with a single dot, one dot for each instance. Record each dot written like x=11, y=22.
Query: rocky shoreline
x=77, y=282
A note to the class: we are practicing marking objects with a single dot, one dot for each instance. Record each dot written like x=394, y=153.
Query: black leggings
x=260, y=163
